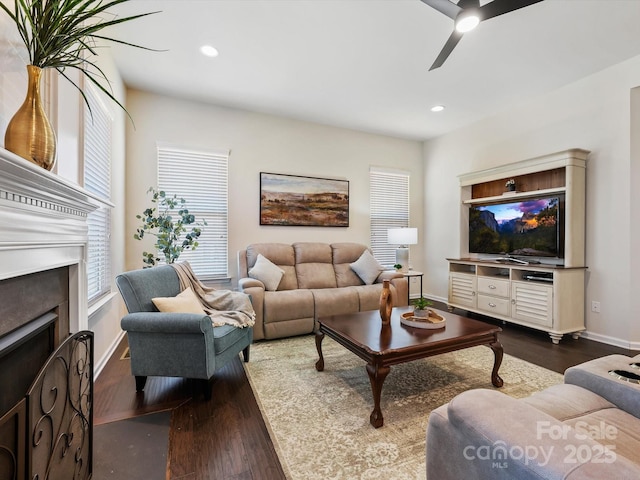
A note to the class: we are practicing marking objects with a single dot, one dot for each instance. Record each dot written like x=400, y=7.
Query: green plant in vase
x=168, y=222
x=421, y=307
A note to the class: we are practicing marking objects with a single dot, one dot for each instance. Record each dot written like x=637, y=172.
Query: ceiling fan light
x=467, y=20
x=209, y=51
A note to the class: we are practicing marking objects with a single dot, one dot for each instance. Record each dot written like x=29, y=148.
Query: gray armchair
x=173, y=344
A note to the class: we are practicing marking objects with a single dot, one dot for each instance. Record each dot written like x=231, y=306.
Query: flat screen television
x=530, y=227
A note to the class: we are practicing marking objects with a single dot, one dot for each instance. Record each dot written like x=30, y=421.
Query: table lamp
x=403, y=237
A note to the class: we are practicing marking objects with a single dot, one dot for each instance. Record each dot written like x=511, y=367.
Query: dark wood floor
x=226, y=438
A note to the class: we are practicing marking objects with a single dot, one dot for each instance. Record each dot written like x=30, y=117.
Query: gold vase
x=29, y=133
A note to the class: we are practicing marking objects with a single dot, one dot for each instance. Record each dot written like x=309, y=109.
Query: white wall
x=262, y=143
x=593, y=114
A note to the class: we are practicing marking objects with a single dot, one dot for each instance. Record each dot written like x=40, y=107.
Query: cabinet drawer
x=496, y=305
x=493, y=286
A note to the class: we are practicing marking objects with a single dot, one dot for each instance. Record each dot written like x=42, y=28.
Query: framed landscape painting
x=303, y=201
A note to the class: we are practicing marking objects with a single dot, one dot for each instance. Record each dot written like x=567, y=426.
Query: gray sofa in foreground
x=317, y=280
x=586, y=428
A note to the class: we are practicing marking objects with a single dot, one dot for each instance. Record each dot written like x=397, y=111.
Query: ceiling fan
x=467, y=14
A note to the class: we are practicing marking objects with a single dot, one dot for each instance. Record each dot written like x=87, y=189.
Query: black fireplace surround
x=46, y=379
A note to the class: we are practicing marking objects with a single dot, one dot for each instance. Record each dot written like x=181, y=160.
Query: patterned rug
x=319, y=421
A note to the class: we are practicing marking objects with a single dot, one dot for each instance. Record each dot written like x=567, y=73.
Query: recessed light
x=209, y=51
x=437, y=108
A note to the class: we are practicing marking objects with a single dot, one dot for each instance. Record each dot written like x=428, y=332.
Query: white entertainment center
x=543, y=293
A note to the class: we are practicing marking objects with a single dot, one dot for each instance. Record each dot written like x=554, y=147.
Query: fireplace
x=46, y=354
x=34, y=317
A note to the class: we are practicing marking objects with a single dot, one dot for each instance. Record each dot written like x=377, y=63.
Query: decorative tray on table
x=433, y=321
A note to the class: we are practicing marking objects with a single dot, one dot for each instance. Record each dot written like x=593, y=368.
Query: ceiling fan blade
x=450, y=9
x=500, y=7
x=447, y=49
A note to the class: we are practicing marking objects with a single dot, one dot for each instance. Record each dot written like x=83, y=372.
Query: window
x=201, y=178
x=97, y=179
x=389, y=208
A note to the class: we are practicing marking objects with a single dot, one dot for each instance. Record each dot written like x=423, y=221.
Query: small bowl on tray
x=432, y=322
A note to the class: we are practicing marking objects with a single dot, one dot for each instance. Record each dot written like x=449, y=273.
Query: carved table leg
x=496, y=346
x=377, y=375
x=320, y=362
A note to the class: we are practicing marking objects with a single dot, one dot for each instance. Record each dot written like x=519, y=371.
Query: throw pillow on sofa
x=367, y=267
x=185, y=302
x=267, y=272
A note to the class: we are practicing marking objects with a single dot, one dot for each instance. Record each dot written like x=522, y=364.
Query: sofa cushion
x=281, y=255
x=335, y=301
x=618, y=430
x=369, y=296
x=367, y=268
x=185, y=302
x=287, y=305
x=344, y=254
x=564, y=401
x=314, y=268
x=267, y=272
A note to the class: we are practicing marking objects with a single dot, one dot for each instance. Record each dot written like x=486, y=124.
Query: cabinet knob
x=492, y=305
x=513, y=301
x=473, y=293
x=492, y=287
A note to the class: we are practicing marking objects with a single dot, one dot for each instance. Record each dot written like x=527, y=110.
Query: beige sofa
x=317, y=280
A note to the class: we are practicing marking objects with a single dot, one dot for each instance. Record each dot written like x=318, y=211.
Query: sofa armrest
x=255, y=289
x=400, y=284
x=486, y=434
x=248, y=282
x=388, y=275
x=594, y=376
x=164, y=322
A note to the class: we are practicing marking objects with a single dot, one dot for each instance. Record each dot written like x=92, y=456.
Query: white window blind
x=201, y=178
x=97, y=179
x=389, y=208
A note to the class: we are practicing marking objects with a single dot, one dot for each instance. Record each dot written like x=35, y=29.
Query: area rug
x=319, y=421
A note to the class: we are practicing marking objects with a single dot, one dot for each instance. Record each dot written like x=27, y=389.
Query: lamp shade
x=402, y=236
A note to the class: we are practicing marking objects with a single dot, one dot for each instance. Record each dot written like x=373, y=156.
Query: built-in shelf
x=539, y=295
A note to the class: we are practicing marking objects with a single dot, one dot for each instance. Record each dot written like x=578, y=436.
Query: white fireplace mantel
x=43, y=225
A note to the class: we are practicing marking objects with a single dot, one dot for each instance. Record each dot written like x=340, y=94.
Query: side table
x=409, y=274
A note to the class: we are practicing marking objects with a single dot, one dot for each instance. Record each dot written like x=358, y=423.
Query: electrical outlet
x=595, y=306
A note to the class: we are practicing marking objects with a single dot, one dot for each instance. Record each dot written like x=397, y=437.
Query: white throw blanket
x=225, y=307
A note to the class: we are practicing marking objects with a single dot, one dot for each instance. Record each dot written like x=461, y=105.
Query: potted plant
x=58, y=34
x=168, y=222
x=421, y=307
x=398, y=267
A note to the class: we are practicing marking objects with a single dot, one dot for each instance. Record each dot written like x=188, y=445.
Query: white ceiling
x=363, y=64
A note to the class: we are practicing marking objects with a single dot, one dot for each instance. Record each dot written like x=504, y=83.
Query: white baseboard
x=616, y=342
x=100, y=364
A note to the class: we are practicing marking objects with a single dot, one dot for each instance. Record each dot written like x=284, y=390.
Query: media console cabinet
x=550, y=295
x=547, y=298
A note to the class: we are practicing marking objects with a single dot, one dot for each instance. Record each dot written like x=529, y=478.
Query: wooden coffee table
x=362, y=334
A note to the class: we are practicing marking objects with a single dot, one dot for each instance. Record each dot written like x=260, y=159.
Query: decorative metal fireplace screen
x=48, y=435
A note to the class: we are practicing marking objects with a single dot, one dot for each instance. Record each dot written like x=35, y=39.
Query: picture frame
x=295, y=200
